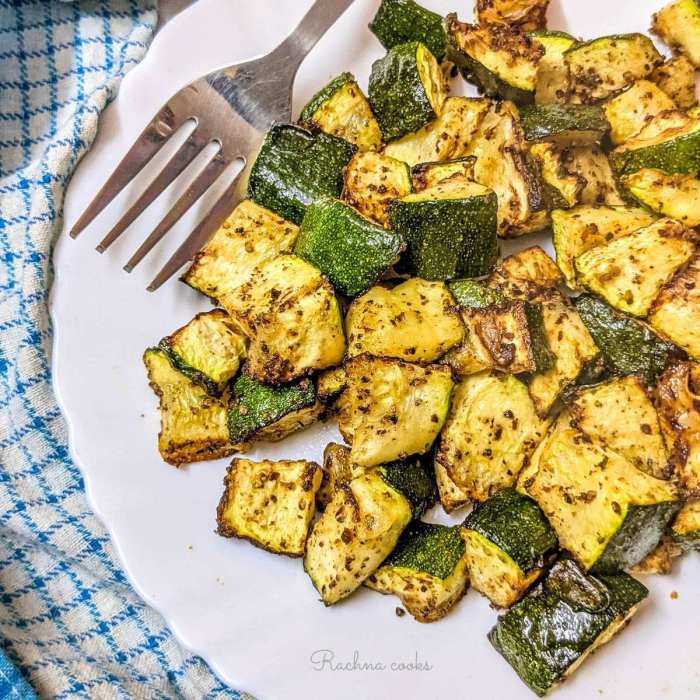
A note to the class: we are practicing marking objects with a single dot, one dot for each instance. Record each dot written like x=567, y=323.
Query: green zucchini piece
x=676, y=77
x=260, y=412
x=508, y=544
x=391, y=322
x=271, y=504
x=450, y=229
x=406, y=90
x=685, y=529
x=352, y=251
x=567, y=617
x=402, y=21
x=208, y=350
x=678, y=24
x=552, y=80
x=603, y=67
x=629, y=346
x=296, y=166
x=476, y=294
x=500, y=60
x=541, y=354
x=355, y=533
x=570, y=125
x=427, y=571
x=425, y=175
x=330, y=384
x=340, y=109
x=336, y=472
x=529, y=274
x=452, y=496
x=526, y=15
x=414, y=478
x=392, y=409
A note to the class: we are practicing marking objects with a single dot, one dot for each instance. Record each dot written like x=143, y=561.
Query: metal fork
x=233, y=107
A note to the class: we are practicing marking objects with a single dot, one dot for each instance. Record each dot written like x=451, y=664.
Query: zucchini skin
x=563, y=122
x=627, y=345
x=193, y=374
x=396, y=93
x=349, y=249
x=474, y=294
x=541, y=352
x=549, y=630
x=679, y=155
x=324, y=94
x=296, y=166
x=401, y=21
x=415, y=479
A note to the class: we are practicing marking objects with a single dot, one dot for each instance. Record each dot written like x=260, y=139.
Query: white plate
x=254, y=616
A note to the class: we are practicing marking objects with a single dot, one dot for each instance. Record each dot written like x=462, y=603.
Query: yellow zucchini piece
x=452, y=496
x=676, y=77
x=678, y=24
x=528, y=15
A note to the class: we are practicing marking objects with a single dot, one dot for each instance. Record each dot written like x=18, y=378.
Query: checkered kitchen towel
x=68, y=619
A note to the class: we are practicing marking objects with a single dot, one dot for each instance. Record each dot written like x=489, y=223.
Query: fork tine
x=204, y=230
x=174, y=167
x=198, y=187
x=149, y=142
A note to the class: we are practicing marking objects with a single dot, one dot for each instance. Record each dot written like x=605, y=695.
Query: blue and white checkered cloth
x=68, y=619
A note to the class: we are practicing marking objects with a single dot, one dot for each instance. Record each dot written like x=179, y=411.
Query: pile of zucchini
x=361, y=281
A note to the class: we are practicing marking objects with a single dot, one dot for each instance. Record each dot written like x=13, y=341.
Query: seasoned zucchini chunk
x=208, y=350
x=676, y=77
x=499, y=59
x=406, y=90
x=402, y=21
x=452, y=496
x=427, y=571
x=568, y=616
x=528, y=15
x=425, y=175
x=675, y=313
x=686, y=526
x=352, y=251
x=340, y=109
x=491, y=432
x=249, y=237
x=552, y=80
x=678, y=402
x=630, y=271
x=678, y=24
x=269, y=503
x=330, y=384
x=627, y=345
x=605, y=511
x=565, y=125
x=503, y=165
x=336, y=472
x=529, y=274
x=577, y=230
x=414, y=478
x=674, y=196
x=192, y=423
x=372, y=181
x=392, y=322
x=660, y=561
x=295, y=166
x=392, y=409
x=444, y=138
x=669, y=142
x=632, y=110
x=602, y=67
x=508, y=543
x=450, y=229
x=355, y=533
x=260, y=412
x=620, y=416
x=572, y=346
x=289, y=312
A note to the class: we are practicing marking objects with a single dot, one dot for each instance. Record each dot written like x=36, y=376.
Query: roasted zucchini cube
x=330, y=384
x=337, y=471
x=406, y=89
x=490, y=434
x=444, y=138
x=295, y=166
x=341, y=109
x=402, y=21
x=528, y=15
x=678, y=24
x=476, y=294
x=450, y=229
x=290, y=313
x=415, y=479
x=628, y=345
x=208, y=350
x=392, y=409
x=605, y=511
x=391, y=322
x=552, y=79
x=675, y=312
x=355, y=533
x=676, y=77
x=568, y=616
x=425, y=175
x=192, y=423
x=564, y=125
x=529, y=274
x=271, y=504
x=352, y=251
x=500, y=60
x=250, y=236
x=427, y=571
x=685, y=528
x=373, y=181
x=577, y=230
x=508, y=543
x=630, y=271
x=605, y=66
